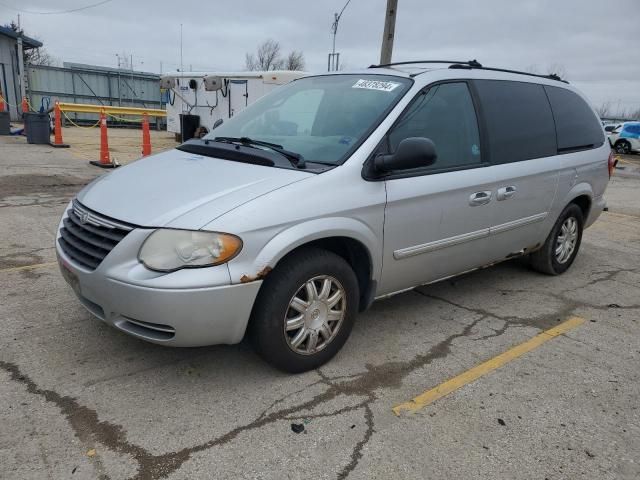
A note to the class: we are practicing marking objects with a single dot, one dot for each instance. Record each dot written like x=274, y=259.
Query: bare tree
x=635, y=114
x=269, y=57
x=294, y=61
x=39, y=56
x=557, y=69
x=604, y=110
x=266, y=58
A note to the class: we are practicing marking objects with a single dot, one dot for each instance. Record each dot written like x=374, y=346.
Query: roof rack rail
x=551, y=76
x=470, y=63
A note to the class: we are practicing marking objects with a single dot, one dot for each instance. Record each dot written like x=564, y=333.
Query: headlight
x=168, y=250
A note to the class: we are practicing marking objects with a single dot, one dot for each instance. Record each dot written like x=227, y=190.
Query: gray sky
x=594, y=41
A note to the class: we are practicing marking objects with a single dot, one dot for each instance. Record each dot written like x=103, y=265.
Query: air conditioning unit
x=212, y=83
x=167, y=82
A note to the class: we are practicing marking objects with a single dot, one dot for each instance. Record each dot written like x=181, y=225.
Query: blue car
x=626, y=138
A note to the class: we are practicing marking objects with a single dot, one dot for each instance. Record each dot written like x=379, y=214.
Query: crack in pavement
x=23, y=258
x=89, y=429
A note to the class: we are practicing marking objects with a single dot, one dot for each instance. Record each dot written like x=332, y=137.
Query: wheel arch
x=348, y=238
x=584, y=201
x=582, y=195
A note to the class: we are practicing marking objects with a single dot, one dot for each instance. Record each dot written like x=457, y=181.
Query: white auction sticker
x=376, y=85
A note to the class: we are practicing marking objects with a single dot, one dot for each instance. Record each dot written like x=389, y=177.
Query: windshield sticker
x=376, y=85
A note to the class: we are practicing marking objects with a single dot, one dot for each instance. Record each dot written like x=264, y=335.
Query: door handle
x=480, y=198
x=506, y=192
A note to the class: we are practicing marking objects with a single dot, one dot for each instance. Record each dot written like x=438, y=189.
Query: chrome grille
x=87, y=237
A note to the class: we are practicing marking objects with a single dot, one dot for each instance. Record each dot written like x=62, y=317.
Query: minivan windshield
x=321, y=118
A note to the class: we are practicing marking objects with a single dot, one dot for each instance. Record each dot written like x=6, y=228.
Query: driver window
x=445, y=114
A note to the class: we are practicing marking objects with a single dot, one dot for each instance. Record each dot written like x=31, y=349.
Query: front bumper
x=186, y=308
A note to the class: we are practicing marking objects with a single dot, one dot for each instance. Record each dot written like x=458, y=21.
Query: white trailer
x=214, y=96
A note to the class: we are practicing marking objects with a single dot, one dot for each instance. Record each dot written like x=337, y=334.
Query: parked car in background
x=626, y=138
x=299, y=211
x=610, y=128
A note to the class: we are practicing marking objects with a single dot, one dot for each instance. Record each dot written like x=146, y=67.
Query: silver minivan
x=332, y=191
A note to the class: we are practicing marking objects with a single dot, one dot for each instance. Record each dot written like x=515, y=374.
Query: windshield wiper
x=296, y=159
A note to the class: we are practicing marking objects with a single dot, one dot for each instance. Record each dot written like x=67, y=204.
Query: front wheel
x=623, y=147
x=562, y=245
x=305, y=310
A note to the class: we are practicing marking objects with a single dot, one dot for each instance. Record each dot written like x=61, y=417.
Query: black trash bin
x=38, y=127
x=5, y=125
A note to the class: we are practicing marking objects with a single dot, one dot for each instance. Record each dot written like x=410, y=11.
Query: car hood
x=181, y=190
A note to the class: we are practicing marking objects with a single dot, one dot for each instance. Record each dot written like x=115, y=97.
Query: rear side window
x=577, y=125
x=518, y=119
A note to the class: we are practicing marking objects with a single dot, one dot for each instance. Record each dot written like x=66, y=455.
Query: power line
x=60, y=12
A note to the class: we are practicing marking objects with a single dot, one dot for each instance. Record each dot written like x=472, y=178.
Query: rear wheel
x=623, y=147
x=562, y=245
x=305, y=310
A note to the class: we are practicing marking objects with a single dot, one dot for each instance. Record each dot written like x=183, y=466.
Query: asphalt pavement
x=82, y=400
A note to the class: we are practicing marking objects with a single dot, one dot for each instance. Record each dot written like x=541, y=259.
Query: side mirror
x=413, y=152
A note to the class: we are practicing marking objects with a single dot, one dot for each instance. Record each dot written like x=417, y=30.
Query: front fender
x=250, y=269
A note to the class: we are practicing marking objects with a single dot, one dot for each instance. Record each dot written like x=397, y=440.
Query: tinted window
x=577, y=125
x=631, y=130
x=445, y=114
x=518, y=119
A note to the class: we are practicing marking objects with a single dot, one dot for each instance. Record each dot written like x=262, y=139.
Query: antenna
x=181, y=69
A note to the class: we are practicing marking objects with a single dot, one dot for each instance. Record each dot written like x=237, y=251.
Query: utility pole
x=23, y=90
x=132, y=91
x=21, y=75
x=119, y=82
x=389, y=31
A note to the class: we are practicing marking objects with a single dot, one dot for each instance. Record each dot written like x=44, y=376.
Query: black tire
x=623, y=147
x=267, y=323
x=545, y=260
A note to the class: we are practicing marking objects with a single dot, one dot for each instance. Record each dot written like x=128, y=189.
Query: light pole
x=333, y=62
x=119, y=92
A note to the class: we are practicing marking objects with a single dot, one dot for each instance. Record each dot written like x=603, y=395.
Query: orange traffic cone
x=57, y=127
x=105, y=160
x=146, y=136
x=25, y=110
x=1, y=103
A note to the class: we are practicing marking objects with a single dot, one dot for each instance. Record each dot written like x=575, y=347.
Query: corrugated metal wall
x=96, y=85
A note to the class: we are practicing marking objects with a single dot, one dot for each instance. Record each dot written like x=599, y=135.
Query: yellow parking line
x=28, y=267
x=627, y=161
x=478, y=371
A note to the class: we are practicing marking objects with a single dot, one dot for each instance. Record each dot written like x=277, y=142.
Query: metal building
x=9, y=67
x=80, y=83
